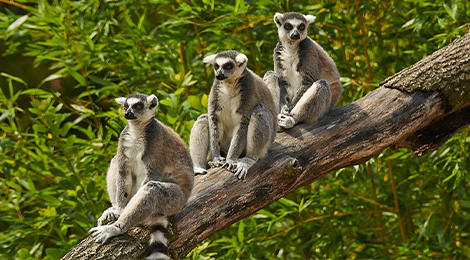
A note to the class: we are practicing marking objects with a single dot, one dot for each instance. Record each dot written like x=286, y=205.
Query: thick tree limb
x=421, y=106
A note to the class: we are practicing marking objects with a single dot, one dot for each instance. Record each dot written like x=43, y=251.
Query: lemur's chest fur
x=289, y=58
x=229, y=103
x=134, y=143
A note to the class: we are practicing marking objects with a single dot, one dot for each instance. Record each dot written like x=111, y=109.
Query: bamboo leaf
x=18, y=22
x=81, y=80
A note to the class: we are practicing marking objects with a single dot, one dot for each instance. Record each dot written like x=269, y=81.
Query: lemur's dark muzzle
x=129, y=115
x=220, y=77
x=295, y=35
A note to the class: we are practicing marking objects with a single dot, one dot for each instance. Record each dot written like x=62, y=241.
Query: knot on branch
x=292, y=166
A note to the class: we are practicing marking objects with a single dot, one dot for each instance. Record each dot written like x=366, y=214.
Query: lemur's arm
x=238, y=141
x=214, y=137
x=300, y=93
x=283, y=98
x=123, y=184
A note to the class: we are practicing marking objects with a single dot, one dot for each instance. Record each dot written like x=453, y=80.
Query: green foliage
x=63, y=61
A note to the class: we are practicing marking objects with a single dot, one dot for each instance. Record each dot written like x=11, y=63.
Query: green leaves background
x=64, y=61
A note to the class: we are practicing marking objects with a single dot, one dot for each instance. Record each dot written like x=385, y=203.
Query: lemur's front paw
x=111, y=214
x=217, y=162
x=102, y=233
x=229, y=164
x=241, y=166
x=240, y=171
x=285, y=121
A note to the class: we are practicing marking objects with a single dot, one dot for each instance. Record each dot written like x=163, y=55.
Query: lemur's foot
x=285, y=121
x=199, y=170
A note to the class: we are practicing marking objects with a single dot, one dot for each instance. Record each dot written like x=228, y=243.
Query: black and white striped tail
x=158, y=249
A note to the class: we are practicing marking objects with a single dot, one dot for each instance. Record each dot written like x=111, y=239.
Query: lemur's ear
x=210, y=59
x=310, y=19
x=278, y=17
x=121, y=100
x=153, y=101
x=241, y=59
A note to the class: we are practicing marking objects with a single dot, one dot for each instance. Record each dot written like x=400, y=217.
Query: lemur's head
x=227, y=64
x=292, y=27
x=138, y=107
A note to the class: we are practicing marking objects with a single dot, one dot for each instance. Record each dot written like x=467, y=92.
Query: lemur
x=241, y=119
x=150, y=178
x=305, y=77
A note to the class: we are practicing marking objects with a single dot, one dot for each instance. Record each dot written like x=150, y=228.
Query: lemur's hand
x=217, y=162
x=240, y=167
x=111, y=214
x=103, y=233
x=285, y=121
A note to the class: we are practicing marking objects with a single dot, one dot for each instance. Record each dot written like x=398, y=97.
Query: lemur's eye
x=301, y=27
x=138, y=107
x=126, y=107
x=288, y=26
x=228, y=66
x=216, y=66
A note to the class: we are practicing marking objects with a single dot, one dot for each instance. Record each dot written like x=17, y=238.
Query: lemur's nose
x=295, y=35
x=220, y=77
x=129, y=115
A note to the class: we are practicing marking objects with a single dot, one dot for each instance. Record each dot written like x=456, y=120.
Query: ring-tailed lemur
x=241, y=119
x=305, y=77
x=150, y=178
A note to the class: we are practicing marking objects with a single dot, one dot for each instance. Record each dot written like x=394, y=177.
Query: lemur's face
x=138, y=106
x=227, y=65
x=292, y=27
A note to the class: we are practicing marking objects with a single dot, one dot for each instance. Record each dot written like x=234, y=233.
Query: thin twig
x=368, y=200
x=448, y=221
x=395, y=197
x=374, y=197
x=208, y=89
x=249, y=34
x=364, y=42
x=322, y=217
x=11, y=2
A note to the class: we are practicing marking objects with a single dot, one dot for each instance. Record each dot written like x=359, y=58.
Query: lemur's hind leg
x=308, y=107
x=199, y=144
x=111, y=213
x=336, y=89
x=154, y=197
x=259, y=138
x=279, y=93
x=272, y=82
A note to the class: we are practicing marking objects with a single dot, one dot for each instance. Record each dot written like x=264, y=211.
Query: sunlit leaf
x=195, y=102
x=17, y=23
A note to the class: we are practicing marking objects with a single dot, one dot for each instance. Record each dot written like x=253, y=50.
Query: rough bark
x=419, y=107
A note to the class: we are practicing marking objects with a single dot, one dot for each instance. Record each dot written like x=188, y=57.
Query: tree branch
x=421, y=106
